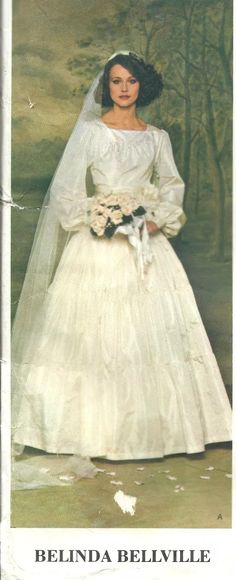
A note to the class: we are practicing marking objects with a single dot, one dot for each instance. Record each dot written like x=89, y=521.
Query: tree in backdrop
x=190, y=41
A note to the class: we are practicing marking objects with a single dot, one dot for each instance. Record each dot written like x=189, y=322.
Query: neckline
x=124, y=130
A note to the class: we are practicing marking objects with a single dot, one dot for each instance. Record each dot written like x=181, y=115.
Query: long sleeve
x=167, y=210
x=68, y=196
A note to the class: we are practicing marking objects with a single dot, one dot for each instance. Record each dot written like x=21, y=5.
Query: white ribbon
x=138, y=238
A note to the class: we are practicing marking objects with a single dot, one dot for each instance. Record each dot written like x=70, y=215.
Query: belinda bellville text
x=158, y=556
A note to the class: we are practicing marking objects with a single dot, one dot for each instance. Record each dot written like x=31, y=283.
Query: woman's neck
x=123, y=118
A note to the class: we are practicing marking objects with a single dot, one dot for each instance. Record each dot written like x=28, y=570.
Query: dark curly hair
x=150, y=80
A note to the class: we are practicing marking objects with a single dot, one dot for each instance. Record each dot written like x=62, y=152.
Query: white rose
x=96, y=208
x=116, y=216
x=99, y=230
x=107, y=212
x=111, y=199
x=127, y=204
x=98, y=224
x=99, y=219
x=127, y=207
x=101, y=210
x=122, y=198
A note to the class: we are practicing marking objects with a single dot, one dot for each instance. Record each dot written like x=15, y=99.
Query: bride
x=110, y=356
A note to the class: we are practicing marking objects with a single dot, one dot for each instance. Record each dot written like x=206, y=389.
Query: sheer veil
x=49, y=242
x=50, y=238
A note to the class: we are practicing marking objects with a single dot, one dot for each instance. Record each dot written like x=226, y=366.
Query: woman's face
x=123, y=86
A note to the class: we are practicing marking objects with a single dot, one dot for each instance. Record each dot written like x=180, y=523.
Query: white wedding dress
x=122, y=367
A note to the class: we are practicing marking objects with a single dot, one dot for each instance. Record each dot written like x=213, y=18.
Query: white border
x=5, y=161
x=18, y=547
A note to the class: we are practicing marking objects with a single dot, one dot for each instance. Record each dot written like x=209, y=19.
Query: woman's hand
x=152, y=228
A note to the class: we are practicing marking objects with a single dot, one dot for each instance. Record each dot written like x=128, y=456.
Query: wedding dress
x=120, y=366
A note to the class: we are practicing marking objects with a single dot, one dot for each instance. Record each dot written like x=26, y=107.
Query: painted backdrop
x=58, y=48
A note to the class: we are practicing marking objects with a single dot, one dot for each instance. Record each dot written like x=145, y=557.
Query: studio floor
x=175, y=492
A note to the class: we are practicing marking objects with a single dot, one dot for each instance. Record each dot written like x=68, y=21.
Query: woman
x=114, y=360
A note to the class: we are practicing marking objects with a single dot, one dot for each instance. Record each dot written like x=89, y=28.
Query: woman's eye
x=117, y=81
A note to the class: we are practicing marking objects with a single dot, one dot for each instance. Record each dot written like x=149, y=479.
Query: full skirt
x=121, y=367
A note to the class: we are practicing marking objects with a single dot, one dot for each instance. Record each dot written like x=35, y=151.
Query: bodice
x=124, y=161
x=123, y=158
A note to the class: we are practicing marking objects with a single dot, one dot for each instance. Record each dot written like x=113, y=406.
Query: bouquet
x=110, y=211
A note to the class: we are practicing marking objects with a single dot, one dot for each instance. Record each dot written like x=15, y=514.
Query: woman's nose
x=124, y=86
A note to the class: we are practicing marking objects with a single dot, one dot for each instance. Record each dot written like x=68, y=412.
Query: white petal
x=125, y=502
x=66, y=477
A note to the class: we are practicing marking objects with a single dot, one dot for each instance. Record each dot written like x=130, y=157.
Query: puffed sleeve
x=167, y=211
x=68, y=195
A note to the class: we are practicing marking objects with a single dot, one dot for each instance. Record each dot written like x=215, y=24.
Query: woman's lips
x=124, y=97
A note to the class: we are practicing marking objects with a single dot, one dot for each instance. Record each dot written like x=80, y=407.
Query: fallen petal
x=139, y=483
x=116, y=482
x=171, y=477
x=125, y=502
x=228, y=475
x=66, y=477
x=140, y=468
x=210, y=468
x=205, y=476
x=110, y=472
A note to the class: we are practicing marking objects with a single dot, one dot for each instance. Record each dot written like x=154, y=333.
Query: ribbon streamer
x=138, y=238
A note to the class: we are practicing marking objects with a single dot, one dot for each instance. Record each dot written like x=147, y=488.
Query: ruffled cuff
x=168, y=217
x=71, y=212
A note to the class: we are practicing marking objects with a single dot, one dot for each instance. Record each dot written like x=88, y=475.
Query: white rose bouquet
x=108, y=212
